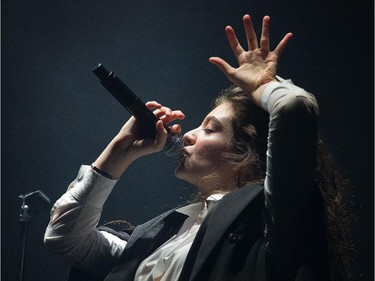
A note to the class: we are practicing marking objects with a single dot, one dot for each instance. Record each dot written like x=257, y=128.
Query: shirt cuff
x=271, y=88
x=90, y=187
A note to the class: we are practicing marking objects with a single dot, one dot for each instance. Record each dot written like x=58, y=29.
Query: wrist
x=114, y=159
x=256, y=94
x=103, y=173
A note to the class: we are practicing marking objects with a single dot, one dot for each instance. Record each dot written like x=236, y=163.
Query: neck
x=211, y=186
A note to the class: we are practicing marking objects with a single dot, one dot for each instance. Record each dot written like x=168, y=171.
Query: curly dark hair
x=249, y=143
x=340, y=215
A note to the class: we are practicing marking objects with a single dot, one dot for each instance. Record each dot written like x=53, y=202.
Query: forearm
x=290, y=190
x=72, y=231
x=114, y=159
x=291, y=151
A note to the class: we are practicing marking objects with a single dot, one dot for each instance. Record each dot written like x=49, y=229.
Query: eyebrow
x=212, y=119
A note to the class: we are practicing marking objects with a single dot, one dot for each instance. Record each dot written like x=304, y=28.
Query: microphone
x=132, y=103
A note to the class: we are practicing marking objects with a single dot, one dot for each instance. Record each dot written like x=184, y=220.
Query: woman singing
x=262, y=213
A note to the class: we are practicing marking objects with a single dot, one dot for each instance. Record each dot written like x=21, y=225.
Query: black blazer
x=231, y=244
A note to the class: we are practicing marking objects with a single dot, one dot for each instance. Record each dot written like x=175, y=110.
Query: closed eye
x=207, y=130
x=211, y=124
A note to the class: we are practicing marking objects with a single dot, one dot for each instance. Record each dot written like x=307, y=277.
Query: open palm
x=256, y=66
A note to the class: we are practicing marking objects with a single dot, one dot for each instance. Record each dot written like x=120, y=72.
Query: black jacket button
x=233, y=238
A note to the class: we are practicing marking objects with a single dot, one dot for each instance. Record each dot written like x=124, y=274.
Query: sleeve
x=72, y=231
x=290, y=189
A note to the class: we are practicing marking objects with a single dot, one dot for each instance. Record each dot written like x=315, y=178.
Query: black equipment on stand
x=31, y=203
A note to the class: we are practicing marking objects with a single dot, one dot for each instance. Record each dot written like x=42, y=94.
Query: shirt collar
x=215, y=197
x=196, y=208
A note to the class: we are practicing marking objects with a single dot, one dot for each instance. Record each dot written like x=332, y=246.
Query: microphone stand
x=25, y=220
x=30, y=201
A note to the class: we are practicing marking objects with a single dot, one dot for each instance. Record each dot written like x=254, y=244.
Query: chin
x=182, y=174
x=179, y=172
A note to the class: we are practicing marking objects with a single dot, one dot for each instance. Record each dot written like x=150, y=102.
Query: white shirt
x=166, y=262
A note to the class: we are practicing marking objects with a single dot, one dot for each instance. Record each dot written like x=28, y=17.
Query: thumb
x=161, y=135
x=222, y=65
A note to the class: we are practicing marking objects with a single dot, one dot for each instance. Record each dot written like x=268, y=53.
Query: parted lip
x=184, y=153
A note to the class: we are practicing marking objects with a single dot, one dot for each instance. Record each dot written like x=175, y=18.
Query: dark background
x=56, y=116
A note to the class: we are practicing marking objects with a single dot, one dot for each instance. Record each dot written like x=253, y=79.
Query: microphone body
x=132, y=103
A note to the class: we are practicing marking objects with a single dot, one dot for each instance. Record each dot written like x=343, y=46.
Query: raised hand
x=257, y=65
x=129, y=145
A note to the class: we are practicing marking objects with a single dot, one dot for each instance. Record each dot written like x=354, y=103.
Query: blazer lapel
x=224, y=214
x=144, y=240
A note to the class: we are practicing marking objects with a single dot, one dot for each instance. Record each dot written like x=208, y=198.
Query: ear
x=250, y=130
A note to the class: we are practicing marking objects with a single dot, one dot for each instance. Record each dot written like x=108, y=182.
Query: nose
x=189, y=137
